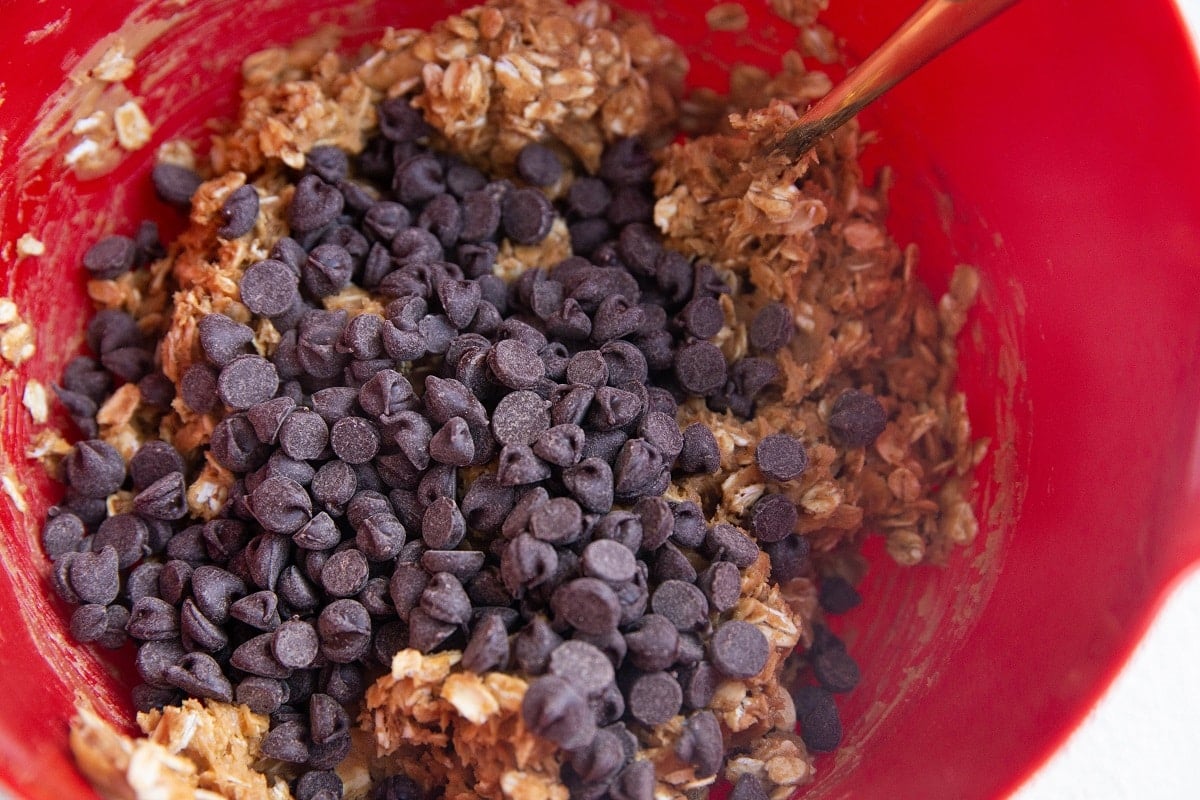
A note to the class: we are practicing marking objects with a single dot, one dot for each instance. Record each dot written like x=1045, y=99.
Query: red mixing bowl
x=1056, y=149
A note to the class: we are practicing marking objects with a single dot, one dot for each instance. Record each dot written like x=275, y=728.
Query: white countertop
x=1141, y=740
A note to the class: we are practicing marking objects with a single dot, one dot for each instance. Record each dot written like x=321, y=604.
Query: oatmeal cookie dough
x=195, y=751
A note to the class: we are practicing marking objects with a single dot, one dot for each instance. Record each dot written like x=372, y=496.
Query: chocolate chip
x=129, y=363
x=748, y=787
x=538, y=165
x=781, y=457
x=587, y=197
x=314, y=204
x=154, y=658
x=418, y=179
x=526, y=216
x=174, y=184
x=110, y=257
x=837, y=595
x=488, y=646
x=214, y=589
x=724, y=542
x=442, y=217
x=345, y=630
x=200, y=675
x=569, y=405
x=156, y=390
x=582, y=665
x=700, y=743
x=304, y=435
x=328, y=162
x=266, y=555
x=328, y=721
x=94, y=469
x=671, y=564
x=590, y=482
x=463, y=178
x=385, y=219
x=820, y=724
x=487, y=503
x=198, y=388
x=700, y=368
x=354, y=440
x=62, y=533
x=681, y=603
x=516, y=364
x=636, y=782
x=127, y=534
x=771, y=328
x=447, y=398
x=327, y=270
x=443, y=526
x=626, y=162
x=222, y=339
x=857, y=419
x=526, y=563
x=88, y=623
x=165, y=499
x=637, y=467
x=739, y=650
x=518, y=466
x=83, y=375
x=558, y=521
x=426, y=633
x=287, y=741
x=173, y=580
x=261, y=695
x=445, y=600
x=721, y=584
x=295, y=644
x=656, y=521
x=533, y=645
x=616, y=317
x=198, y=631
x=520, y=418
x=773, y=518
x=639, y=245
x=609, y=561
x=654, y=698
x=834, y=668
x=553, y=710
x=653, y=643
x=587, y=604
x=345, y=573
x=600, y=760
x=700, y=453
x=93, y=576
x=702, y=317
x=239, y=212
x=333, y=485
x=561, y=445
x=400, y=122
x=259, y=610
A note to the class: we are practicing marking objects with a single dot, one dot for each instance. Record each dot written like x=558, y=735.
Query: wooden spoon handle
x=934, y=27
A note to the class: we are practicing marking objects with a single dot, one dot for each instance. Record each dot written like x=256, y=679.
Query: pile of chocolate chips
x=481, y=467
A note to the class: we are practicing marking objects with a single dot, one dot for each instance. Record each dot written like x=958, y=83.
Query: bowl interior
x=1061, y=165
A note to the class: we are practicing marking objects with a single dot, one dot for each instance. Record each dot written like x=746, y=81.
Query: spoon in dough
x=934, y=27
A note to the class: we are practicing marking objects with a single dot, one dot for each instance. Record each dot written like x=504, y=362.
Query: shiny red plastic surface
x=1055, y=149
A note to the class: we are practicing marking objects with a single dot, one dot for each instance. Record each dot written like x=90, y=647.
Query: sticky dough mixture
x=809, y=234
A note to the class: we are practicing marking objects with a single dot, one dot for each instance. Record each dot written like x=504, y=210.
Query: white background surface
x=1143, y=738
